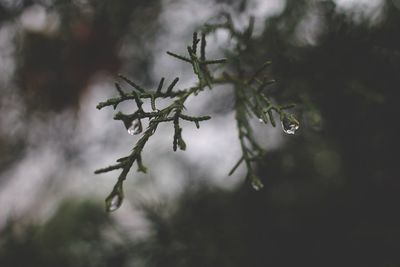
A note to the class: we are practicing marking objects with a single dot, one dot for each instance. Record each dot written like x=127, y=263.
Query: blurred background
x=331, y=195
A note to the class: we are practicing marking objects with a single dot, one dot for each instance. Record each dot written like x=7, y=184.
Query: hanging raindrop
x=290, y=124
x=257, y=184
x=135, y=127
x=114, y=202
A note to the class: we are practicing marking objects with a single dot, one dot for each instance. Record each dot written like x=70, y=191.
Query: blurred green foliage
x=214, y=228
x=73, y=236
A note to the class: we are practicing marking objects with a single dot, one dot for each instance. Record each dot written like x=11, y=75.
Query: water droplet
x=257, y=184
x=135, y=127
x=290, y=124
x=114, y=200
x=114, y=203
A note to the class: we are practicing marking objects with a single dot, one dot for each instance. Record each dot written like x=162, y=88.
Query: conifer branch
x=250, y=100
x=179, y=57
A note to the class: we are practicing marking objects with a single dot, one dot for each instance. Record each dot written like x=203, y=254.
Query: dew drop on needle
x=136, y=127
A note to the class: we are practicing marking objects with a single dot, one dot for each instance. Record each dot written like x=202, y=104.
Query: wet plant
x=250, y=101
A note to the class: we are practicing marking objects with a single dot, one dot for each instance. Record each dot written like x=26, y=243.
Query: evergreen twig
x=249, y=101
